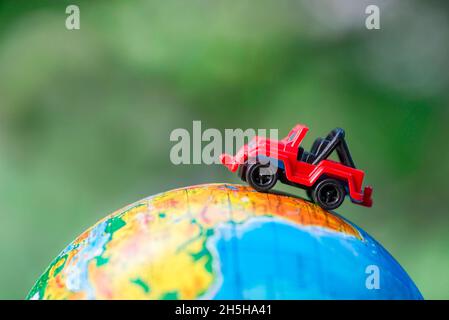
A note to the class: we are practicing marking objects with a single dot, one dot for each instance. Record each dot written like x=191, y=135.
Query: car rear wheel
x=329, y=194
x=261, y=176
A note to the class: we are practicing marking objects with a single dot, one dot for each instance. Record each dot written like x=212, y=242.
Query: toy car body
x=264, y=161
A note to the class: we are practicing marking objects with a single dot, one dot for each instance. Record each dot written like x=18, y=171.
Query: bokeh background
x=85, y=115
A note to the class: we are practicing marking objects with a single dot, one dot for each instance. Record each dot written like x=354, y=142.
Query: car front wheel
x=261, y=177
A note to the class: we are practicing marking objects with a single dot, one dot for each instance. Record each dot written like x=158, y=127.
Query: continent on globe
x=222, y=241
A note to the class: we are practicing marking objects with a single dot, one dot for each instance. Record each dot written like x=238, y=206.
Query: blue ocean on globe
x=274, y=259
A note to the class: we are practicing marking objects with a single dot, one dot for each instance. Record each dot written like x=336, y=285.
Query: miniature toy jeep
x=263, y=162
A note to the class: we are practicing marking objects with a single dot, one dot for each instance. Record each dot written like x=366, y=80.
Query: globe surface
x=222, y=241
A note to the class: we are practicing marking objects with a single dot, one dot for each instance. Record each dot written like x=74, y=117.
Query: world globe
x=223, y=241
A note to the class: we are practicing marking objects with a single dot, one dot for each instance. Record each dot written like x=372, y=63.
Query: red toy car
x=263, y=161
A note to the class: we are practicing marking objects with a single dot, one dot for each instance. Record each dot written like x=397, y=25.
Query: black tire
x=260, y=182
x=329, y=194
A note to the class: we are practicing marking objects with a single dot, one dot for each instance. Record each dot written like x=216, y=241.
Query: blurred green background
x=85, y=115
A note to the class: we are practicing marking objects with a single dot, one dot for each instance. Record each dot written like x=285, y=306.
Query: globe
x=223, y=241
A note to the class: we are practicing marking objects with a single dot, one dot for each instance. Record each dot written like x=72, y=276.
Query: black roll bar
x=337, y=142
